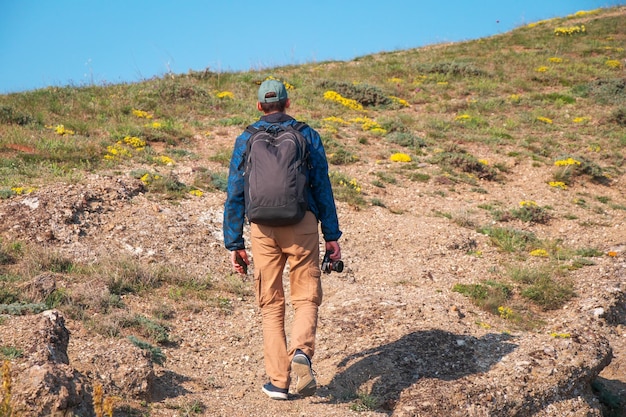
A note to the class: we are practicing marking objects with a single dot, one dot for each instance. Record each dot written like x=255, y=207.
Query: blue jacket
x=321, y=200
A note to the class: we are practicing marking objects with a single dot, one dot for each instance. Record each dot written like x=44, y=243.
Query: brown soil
x=394, y=339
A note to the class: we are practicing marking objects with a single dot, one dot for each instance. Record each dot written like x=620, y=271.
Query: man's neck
x=276, y=117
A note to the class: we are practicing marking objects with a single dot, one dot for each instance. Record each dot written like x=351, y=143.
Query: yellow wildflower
x=142, y=114
x=338, y=98
x=369, y=124
x=337, y=120
x=117, y=150
x=61, y=130
x=582, y=13
x=378, y=131
x=135, y=142
x=560, y=335
x=566, y=162
x=580, y=119
x=164, y=160
x=541, y=253
x=558, y=184
x=569, y=31
x=225, y=94
x=197, y=193
x=399, y=101
x=354, y=185
x=505, y=312
x=613, y=63
x=542, y=68
x=400, y=157
x=555, y=60
x=463, y=117
x=544, y=120
x=527, y=203
x=483, y=162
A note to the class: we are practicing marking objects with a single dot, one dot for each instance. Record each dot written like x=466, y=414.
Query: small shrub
x=488, y=295
x=57, y=298
x=191, y=408
x=548, y=293
x=169, y=185
x=556, y=98
x=208, y=180
x=419, y=177
x=570, y=167
x=346, y=189
x=155, y=353
x=386, y=177
x=8, y=295
x=452, y=68
x=457, y=159
x=7, y=256
x=589, y=252
x=148, y=328
x=406, y=139
x=509, y=240
x=543, y=286
x=531, y=214
x=10, y=116
x=364, y=94
x=10, y=352
x=365, y=402
x=604, y=91
x=19, y=309
x=342, y=157
x=618, y=116
x=234, y=284
x=125, y=276
x=221, y=156
x=233, y=121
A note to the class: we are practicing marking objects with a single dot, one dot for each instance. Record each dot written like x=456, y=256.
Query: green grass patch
x=509, y=239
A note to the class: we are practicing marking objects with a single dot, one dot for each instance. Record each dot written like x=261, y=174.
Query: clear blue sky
x=79, y=42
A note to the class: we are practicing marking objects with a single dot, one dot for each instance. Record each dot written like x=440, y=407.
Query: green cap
x=272, y=86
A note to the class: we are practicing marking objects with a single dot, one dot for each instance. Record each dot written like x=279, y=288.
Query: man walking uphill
x=281, y=232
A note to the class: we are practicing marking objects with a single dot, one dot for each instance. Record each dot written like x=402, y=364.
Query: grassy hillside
x=549, y=91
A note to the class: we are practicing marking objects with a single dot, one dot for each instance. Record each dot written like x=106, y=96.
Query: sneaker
x=301, y=365
x=275, y=393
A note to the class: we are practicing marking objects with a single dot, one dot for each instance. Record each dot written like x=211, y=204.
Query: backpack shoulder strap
x=299, y=126
x=252, y=129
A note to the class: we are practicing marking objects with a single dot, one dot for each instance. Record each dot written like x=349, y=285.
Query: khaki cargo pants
x=272, y=247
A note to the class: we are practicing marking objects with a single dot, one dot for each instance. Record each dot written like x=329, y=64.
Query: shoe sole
x=275, y=395
x=306, y=384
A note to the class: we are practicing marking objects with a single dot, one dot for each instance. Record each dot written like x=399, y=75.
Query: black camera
x=328, y=265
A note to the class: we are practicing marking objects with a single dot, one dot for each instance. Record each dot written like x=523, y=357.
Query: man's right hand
x=333, y=247
x=239, y=260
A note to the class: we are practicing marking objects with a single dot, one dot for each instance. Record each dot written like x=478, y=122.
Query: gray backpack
x=276, y=174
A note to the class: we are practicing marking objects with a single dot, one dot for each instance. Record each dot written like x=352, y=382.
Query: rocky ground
x=393, y=338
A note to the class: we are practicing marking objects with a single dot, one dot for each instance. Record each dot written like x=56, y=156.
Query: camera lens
x=338, y=266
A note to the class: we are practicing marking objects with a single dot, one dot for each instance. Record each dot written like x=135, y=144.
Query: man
x=273, y=246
